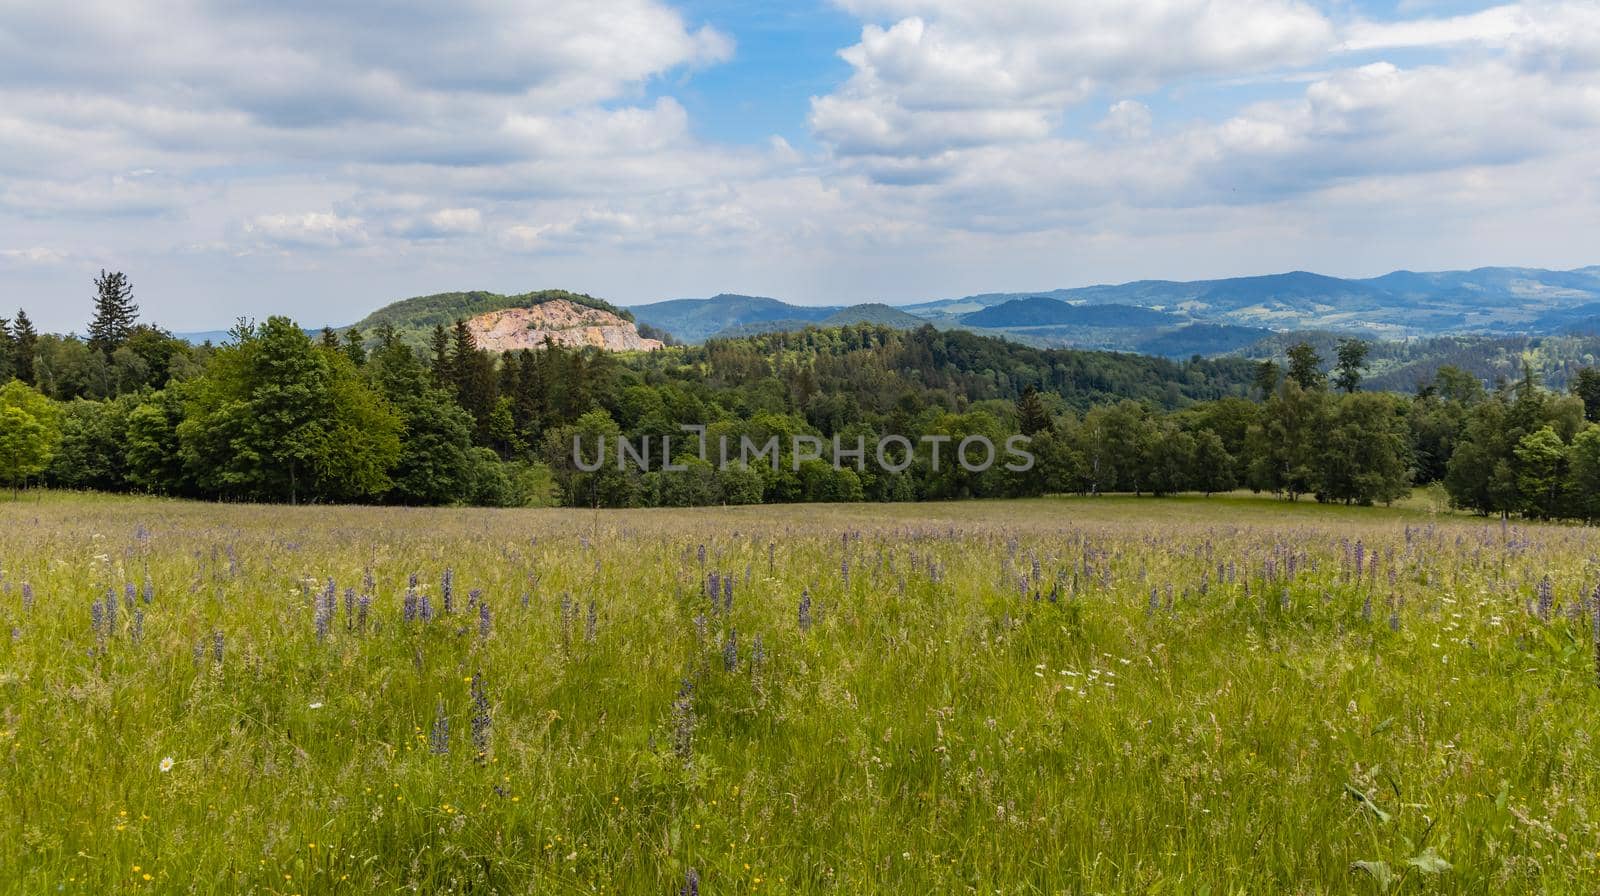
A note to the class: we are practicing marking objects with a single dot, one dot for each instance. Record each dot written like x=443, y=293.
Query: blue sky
x=309, y=158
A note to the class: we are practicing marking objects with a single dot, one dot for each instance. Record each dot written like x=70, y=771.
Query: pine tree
x=330, y=339
x=114, y=312
x=355, y=346
x=24, y=340
x=1032, y=417
x=440, y=365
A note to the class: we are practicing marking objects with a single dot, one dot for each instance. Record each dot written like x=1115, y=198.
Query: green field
x=1113, y=695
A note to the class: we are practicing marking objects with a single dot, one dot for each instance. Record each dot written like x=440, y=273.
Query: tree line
x=278, y=414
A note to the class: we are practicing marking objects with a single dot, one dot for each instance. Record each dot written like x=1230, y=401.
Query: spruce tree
x=1032, y=417
x=355, y=346
x=440, y=364
x=24, y=340
x=114, y=312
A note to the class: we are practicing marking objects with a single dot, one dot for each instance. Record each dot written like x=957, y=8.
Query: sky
x=320, y=159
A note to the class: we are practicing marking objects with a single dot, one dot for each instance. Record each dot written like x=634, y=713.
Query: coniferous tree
x=114, y=313
x=24, y=341
x=330, y=339
x=1032, y=417
x=439, y=363
x=355, y=346
x=1268, y=375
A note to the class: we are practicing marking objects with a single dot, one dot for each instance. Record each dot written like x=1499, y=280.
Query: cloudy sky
x=240, y=158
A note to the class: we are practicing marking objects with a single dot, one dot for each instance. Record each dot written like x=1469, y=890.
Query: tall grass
x=1056, y=696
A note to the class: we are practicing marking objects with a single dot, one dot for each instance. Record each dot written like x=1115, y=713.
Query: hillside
x=871, y=313
x=415, y=318
x=693, y=320
x=1039, y=311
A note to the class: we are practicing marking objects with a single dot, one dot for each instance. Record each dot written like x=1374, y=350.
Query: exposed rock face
x=564, y=323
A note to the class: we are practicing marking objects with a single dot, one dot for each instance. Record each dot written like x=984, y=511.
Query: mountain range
x=1181, y=318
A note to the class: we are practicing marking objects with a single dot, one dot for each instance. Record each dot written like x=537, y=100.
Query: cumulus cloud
x=457, y=141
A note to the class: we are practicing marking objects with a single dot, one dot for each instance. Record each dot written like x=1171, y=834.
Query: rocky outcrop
x=562, y=322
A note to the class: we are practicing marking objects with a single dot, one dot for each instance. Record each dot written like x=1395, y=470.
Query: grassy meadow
x=1096, y=696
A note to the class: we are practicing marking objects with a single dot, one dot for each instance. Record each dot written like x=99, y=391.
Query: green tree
x=1352, y=360
x=275, y=418
x=24, y=343
x=114, y=312
x=1585, y=385
x=1267, y=376
x=1583, y=474
x=1365, y=451
x=29, y=433
x=1305, y=366
x=1541, y=472
x=91, y=453
x=1032, y=417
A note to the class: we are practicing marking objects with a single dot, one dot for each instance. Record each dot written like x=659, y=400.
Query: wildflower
x=27, y=596
x=805, y=610
x=730, y=651
x=483, y=621
x=149, y=590
x=128, y=594
x=447, y=591
x=216, y=647
x=691, y=884
x=410, y=605
x=166, y=764
x=362, y=606
x=317, y=705
x=1546, y=599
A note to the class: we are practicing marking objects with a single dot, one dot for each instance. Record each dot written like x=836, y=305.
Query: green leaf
x=1366, y=802
x=1378, y=871
x=1429, y=862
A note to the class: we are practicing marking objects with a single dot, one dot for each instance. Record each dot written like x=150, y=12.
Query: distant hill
x=871, y=313
x=1206, y=340
x=693, y=320
x=415, y=318
x=1041, y=311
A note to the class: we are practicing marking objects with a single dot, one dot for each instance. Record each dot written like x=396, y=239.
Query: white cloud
x=311, y=230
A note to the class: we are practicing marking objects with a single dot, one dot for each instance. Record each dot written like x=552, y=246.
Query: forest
x=278, y=415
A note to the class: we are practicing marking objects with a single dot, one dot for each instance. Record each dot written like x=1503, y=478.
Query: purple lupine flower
x=27, y=596
x=97, y=617
x=480, y=718
x=447, y=591
x=713, y=587
x=111, y=611
x=128, y=596
x=349, y=608
x=1547, y=599
x=483, y=621
x=730, y=650
x=439, y=736
x=362, y=606
x=1283, y=601
x=691, y=883
x=216, y=646
x=138, y=625
x=425, y=609
x=411, y=604
x=1361, y=556
x=149, y=591
x=473, y=597
x=758, y=655
x=805, y=610
x=1366, y=609
x=727, y=594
